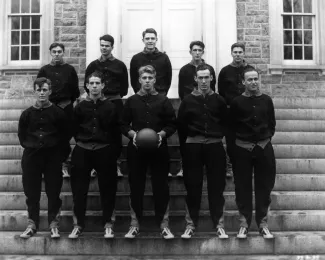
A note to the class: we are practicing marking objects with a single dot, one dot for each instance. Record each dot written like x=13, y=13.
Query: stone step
x=279, y=138
x=307, y=220
x=151, y=244
x=283, y=166
x=281, y=200
x=14, y=152
x=283, y=182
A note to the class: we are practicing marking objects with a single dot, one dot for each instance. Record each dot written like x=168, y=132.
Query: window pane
x=35, y=37
x=308, y=37
x=25, y=6
x=287, y=21
x=14, y=38
x=35, y=6
x=25, y=53
x=25, y=23
x=287, y=8
x=287, y=52
x=308, y=53
x=287, y=37
x=297, y=6
x=297, y=37
x=15, y=7
x=14, y=53
x=307, y=22
x=35, y=53
x=25, y=38
x=15, y=23
x=298, y=52
x=35, y=22
x=297, y=22
x=307, y=6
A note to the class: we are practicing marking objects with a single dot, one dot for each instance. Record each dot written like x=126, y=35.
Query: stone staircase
x=297, y=215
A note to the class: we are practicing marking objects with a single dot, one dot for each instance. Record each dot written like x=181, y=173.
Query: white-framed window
x=27, y=30
x=297, y=31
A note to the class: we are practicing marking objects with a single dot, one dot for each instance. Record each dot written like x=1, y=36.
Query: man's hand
x=161, y=135
x=133, y=135
x=134, y=140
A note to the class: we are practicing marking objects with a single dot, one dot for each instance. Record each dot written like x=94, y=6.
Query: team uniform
x=43, y=131
x=160, y=61
x=153, y=111
x=201, y=125
x=97, y=133
x=253, y=121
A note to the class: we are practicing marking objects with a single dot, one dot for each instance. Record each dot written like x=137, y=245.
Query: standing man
x=151, y=56
x=115, y=79
x=43, y=132
x=96, y=130
x=230, y=86
x=186, y=79
x=253, y=121
x=65, y=88
x=201, y=122
x=148, y=109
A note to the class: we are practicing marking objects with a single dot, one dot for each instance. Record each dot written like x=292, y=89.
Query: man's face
x=196, y=52
x=150, y=41
x=203, y=79
x=42, y=93
x=147, y=81
x=251, y=81
x=237, y=54
x=57, y=54
x=106, y=47
x=95, y=86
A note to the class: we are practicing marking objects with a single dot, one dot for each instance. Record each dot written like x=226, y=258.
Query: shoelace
x=109, y=231
x=266, y=231
x=242, y=231
x=221, y=231
x=55, y=231
x=28, y=230
x=132, y=230
x=75, y=231
x=188, y=231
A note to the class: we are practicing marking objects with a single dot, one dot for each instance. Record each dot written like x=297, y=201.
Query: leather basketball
x=147, y=138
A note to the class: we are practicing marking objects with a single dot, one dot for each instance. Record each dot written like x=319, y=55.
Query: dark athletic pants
x=214, y=158
x=35, y=162
x=138, y=162
x=104, y=162
x=263, y=163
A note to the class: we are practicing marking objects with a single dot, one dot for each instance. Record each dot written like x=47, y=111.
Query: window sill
x=282, y=69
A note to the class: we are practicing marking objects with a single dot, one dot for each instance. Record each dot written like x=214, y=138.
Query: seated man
x=148, y=109
x=43, y=132
x=97, y=134
x=253, y=120
x=201, y=123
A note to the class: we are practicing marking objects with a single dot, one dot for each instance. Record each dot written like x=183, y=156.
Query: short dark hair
x=198, y=43
x=149, y=30
x=107, y=38
x=147, y=69
x=96, y=74
x=238, y=45
x=248, y=69
x=41, y=81
x=56, y=44
x=203, y=66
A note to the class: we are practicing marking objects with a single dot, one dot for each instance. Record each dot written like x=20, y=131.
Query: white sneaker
x=188, y=233
x=170, y=175
x=166, y=233
x=109, y=233
x=242, y=233
x=55, y=233
x=65, y=172
x=221, y=233
x=265, y=232
x=29, y=232
x=119, y=172
x=76, y=232
x=93, y=173
x=133, y=232
x=180, y=173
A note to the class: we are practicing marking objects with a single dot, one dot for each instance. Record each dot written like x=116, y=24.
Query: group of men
x=239, y=112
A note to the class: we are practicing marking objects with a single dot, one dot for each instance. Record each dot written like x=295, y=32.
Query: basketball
x=147, y=138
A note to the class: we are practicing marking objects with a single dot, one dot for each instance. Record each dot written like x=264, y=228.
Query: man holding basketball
x=148, y=109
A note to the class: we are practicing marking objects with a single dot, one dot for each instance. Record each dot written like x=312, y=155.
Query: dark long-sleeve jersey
x=64, y=82
x=199, y=115
x=115, y=76
x=43, y=127
x=253, y=118
x=186, y=82
x=148, y=111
